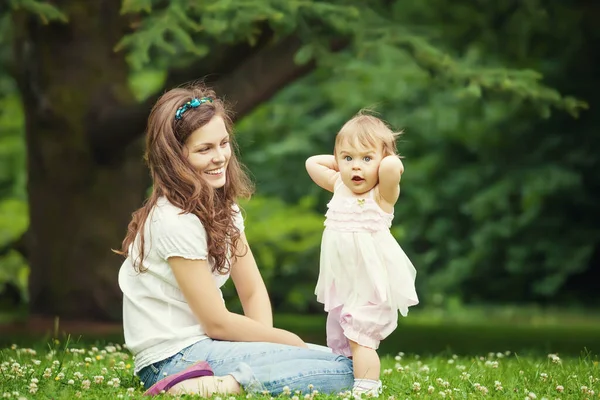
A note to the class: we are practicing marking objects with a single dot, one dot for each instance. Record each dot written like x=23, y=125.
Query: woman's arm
x=390, y=172
x=322, y=170
x=250, y=286
x=195, y=281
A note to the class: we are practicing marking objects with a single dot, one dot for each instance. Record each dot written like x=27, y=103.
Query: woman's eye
x=225, y=143
x=203, y=150
x=348, y=158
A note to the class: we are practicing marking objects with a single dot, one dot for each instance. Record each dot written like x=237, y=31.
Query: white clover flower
x=543, y=376
x=85, y=384
x=36, y=362
x=560, y=388
x=584, y=389
x=416, y=386
x=286, y=390
x=98, y=379
x=430, y=389
x=555, y=358
x=532, y=395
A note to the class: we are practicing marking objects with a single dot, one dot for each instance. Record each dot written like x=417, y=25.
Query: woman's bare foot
x=205, y=386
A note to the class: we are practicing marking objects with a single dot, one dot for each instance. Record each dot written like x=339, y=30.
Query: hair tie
x=194, y=103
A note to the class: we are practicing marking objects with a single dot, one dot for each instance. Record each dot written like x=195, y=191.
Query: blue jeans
x=260, y=367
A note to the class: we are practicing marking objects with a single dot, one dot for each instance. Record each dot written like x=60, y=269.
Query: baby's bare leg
x=207, y=385
x=366, y=362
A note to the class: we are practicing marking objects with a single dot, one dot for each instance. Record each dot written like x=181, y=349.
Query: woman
x=182, y=246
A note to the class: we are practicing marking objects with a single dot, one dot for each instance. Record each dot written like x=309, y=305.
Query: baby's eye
x=348, y=158
x=367, y=158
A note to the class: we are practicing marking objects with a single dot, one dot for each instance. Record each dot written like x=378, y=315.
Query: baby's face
x=359, y=166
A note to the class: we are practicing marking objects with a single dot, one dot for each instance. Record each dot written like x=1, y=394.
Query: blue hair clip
x=194, y=103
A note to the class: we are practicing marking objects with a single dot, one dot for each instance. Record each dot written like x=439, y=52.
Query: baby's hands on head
x=391, y=164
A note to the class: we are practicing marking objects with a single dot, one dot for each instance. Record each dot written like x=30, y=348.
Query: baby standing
x=365, y=277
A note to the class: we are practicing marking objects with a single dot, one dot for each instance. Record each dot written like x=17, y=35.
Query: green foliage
x=189, y=28
x=496, y=203
x=486, y=193
x=14, y=217
x=44, y=10
x=284, y=237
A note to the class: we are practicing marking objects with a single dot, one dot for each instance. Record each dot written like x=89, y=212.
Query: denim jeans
x=260, y=367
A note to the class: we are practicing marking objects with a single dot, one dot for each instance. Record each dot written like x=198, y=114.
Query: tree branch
x=245, y=75
x=119, y=126
x=262, y=75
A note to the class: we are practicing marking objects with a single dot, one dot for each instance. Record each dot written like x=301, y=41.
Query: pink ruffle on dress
x=365, y=277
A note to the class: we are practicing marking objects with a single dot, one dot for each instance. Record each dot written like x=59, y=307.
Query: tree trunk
x=84, y=154
x=79, y=206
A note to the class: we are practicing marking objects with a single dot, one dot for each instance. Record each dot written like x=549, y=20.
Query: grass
x=67, y=371
x=521, y=353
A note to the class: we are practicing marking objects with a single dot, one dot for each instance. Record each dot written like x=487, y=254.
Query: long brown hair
x=183, y=186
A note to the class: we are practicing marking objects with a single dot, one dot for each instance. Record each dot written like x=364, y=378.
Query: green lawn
x=473, y=353
x=68, y=371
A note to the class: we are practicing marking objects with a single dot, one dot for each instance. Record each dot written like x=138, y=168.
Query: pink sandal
x=195, y=371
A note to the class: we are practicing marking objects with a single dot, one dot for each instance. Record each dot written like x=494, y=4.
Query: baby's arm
x=323, y=170
x=390, y=172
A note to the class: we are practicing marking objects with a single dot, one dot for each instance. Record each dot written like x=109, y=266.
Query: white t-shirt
x=157, y=320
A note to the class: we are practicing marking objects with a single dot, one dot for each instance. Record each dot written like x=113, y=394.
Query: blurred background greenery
x=500, y=201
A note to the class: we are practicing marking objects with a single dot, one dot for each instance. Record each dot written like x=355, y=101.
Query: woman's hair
x=176, y=179
x=366, y=130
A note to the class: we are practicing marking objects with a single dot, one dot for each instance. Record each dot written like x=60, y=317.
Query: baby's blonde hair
x=367, y=130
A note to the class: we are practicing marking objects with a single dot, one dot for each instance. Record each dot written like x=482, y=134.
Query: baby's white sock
x=367, y=387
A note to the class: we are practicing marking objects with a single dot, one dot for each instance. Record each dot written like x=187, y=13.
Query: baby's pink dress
x=365, y=277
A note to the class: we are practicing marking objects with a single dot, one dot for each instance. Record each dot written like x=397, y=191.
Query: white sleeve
x=180, y=235
x=238, y=218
